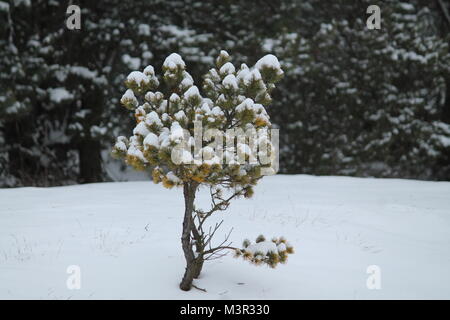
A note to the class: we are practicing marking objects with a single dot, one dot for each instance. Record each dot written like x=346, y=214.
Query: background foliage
x=353, y=101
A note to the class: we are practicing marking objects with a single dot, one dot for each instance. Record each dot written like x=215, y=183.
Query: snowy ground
x=125, y=238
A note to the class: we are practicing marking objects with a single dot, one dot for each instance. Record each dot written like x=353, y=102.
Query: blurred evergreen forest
x=353, y=101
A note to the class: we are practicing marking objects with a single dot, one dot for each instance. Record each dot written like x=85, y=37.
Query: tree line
x=353, y=101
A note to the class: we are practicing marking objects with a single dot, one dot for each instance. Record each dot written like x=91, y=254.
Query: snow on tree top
x=230, y=82
x=133, y=151
x=187, y=81
x=149, y=70
x=214, y=75
x=227, y=68
x=120, y=144
x=247, y=104
x=269, y=61
x=172, y=177
x=129, y=99
x=180, y=115
x=224, y=53
x=281, y=247
x=164, y=137
x=150, y=96
x=137, y=77
x=153, y=118
x=205, y=108
x=216, y=111
x=191, y=92
x=253, y=75
x=263, y=248
x=174, y=97
x=129, y=94
x=152, y=140
x=176, y=132
x=174, y=60
x=243, y=73
x=141, y=129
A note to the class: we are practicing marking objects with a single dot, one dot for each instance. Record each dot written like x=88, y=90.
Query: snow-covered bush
x=218, y=138
x=263, y=251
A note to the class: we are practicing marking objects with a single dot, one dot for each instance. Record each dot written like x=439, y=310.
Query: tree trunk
x=198, y=268
x=193, y=264
x=90, y=161
x=199, y=246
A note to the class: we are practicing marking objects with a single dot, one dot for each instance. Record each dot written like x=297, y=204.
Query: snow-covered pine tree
x=232, y=100
x=54, y=125
x=365, y=102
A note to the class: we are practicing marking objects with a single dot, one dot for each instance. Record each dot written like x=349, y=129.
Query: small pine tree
x=164, y=141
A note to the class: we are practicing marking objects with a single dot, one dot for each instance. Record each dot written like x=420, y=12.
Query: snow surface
x=126, y=239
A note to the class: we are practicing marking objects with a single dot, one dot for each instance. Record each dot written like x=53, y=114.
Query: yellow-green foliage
x=270, y=253
x=230, y=98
